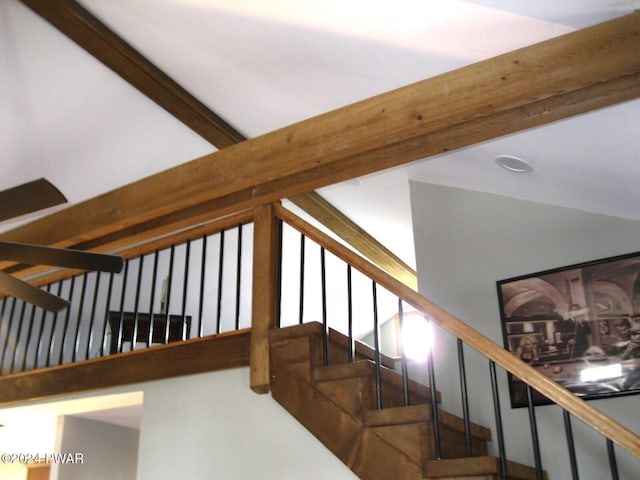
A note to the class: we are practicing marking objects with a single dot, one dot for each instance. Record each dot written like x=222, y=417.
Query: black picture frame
x=578, y=325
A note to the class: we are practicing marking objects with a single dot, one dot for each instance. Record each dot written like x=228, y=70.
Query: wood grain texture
x=215, y=352
x=137, y=250
x=476, y=468
x=87, y=31
x=105, y=45
x=332, y=218
x=266, y=284
x=575, y=73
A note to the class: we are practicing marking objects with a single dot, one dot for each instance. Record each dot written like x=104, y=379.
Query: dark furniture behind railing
x=147, y=328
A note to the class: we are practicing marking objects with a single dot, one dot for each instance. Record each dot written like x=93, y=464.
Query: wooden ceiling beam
x=78, y=24
x=568, y=75
x=353, y=235
x=87, y=31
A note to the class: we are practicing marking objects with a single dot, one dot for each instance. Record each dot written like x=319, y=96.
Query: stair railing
x=182, y=286
x=612, y=430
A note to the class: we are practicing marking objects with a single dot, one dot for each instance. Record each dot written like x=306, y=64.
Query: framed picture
x=579, y=325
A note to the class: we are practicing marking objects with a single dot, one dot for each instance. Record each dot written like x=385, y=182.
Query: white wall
x=12, y=471
x=213, y=426
x=100, y=451
x=465, y=242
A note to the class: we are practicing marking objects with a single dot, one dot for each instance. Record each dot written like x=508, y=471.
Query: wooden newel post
x=266, y=261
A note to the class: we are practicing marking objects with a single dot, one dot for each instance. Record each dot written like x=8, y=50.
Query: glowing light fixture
x=416, y=337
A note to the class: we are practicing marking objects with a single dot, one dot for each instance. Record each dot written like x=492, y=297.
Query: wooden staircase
x=338, y=404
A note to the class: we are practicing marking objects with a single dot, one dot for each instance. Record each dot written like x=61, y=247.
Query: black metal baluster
x=279, y=280
x=76, y=341
x=352, y=353
x=2, y=329
x=498, y=415
x=220, y=271
x=136, y=304
x=238, y=276
x=203, y=271
x=185, y=288
x=325, y=328
x=613, y=464
x=570, y=445
x=43, y=317
x=29, y=337
x=465, y=398
x=123, y=295
x=53, y=330
x=154, y=278
x=8, y=332
x=376, y=342
x=32, y=318
x=16, y=342
x=435, y=416
x=403, y=357
x=92, y=317
x=37, y=337
x=535, y=440
x=2, y=324
x=67, y=316
x=302, y=265
x=169, y=287
x=107, y=308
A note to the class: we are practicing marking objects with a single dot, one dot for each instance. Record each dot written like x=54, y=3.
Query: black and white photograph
x=579, y=325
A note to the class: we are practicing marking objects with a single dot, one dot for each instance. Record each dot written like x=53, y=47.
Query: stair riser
x=380, y=460
x=452, y=444
x=336, y=429
x=338, y=405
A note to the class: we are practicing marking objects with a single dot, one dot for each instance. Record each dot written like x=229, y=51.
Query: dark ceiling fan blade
x=34, y=295
x=59, y=257
x=29, y=197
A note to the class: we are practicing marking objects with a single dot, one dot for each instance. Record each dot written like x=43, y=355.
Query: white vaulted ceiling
x=263, y=65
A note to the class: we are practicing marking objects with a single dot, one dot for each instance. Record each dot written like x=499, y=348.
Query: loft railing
x=307, y=295
x=205, y=271
x=185, y=286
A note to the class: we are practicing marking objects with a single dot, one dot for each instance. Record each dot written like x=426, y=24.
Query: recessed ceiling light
x=514, y=164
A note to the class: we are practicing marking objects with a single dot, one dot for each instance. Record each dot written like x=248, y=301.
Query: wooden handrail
x=487, y=347
x=47, y=275
x=336, y=221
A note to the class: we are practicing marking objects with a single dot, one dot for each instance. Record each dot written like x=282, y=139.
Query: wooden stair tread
x=337, y=403
x=362, y=350
x=336, y=340
x=367, y=368
x=477, y=466
x=421, y=414
x=297, y=331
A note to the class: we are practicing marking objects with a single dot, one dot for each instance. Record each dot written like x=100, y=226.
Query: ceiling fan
x=32, y=197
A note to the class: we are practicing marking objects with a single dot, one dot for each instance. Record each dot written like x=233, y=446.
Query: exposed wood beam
x=45, y=275
x=90, y=33
x=316, y=206
x=572, y=74
x=82, y=27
